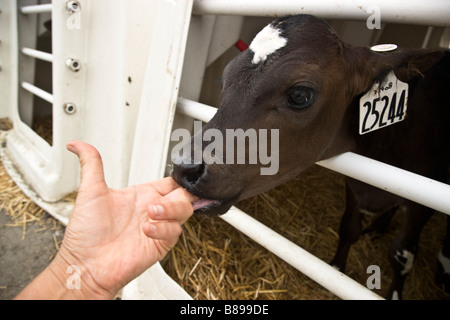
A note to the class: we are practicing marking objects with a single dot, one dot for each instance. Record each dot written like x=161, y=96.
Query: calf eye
x=300, y=97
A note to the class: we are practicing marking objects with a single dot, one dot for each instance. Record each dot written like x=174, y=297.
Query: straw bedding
x=214, y=261
x=14, y=203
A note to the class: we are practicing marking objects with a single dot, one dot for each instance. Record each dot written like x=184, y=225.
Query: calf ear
x=406, y=63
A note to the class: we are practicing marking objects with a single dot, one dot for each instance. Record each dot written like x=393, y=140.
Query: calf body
x=419, y=144
x=298, y=77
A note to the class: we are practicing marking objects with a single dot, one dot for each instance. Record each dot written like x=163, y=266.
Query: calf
x=298, y=77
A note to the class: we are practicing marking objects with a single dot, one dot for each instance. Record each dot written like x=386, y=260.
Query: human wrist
x=75, y=280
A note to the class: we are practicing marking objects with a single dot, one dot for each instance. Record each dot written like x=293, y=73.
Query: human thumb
x=91, y=164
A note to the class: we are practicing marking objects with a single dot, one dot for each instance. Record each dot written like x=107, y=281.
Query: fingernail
x=71, y=147
x=152, y=228
x=159, y=210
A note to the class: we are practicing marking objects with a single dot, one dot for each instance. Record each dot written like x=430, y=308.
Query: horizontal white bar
x=39, y=8
x=316, y=269
x=38, y=92
x=195, y=109
x=431, y=193
x=431, y=12
x=38, y=54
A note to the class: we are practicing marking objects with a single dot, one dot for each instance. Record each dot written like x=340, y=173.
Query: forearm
x=62, y=280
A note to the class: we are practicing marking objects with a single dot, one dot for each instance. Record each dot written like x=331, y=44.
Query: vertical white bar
x=154, y=125
x=27, y=37
x=8, y=59
x=160, y=91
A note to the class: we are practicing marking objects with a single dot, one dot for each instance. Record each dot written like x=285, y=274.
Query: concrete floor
x=22, y=260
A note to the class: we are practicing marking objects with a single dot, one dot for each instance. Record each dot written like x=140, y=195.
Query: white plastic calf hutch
x=118, y=69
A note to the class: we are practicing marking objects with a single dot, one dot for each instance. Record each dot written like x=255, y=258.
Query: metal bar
x=316, y=269
x=38, y=92
x=432, y=12
x=39, y=8
x=431, y=193
x=38, y=54
x=195, y=109
x=426, y=40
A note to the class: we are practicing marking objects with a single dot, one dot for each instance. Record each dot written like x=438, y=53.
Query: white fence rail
x=38, y=54
x=314, y=268
x=36, y=9
x=38, y=92
x=417, y=12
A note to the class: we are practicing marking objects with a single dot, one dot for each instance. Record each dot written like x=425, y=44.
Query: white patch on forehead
x=266, y=42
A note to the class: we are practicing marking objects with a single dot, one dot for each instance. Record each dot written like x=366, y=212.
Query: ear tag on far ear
x=384, y=47
x=383, y=105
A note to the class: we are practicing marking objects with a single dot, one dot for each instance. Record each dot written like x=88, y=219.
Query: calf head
x=300, y=83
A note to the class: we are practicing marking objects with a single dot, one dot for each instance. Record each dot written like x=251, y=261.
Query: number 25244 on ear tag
x=383, y=105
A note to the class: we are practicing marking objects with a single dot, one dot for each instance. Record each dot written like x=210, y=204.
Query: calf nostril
x=193, y=172
x=188, y=174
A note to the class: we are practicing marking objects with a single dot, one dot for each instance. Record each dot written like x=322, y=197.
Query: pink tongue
x=200, y=203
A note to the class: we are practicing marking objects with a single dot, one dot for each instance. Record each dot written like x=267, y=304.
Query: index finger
x=180, y=192
x=165, y=185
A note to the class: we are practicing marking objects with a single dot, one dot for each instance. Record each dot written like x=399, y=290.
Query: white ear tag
x=384, y=47
x=383, y=105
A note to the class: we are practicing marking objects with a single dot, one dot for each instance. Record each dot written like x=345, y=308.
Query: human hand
x=115, y=235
